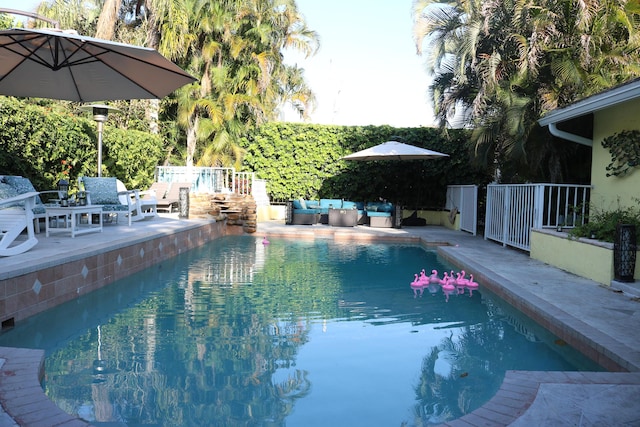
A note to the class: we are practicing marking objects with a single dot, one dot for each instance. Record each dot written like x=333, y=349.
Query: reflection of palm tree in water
x=446, y=390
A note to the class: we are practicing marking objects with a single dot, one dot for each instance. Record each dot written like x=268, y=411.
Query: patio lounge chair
x=16, y=215
x=104, y=191
x=172, y=196
x=159, y=189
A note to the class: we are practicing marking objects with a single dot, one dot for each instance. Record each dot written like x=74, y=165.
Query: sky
x=366, y=72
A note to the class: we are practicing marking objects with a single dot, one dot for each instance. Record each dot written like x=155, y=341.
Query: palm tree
x=233, y=47
x=237, y=53
x=499, y=65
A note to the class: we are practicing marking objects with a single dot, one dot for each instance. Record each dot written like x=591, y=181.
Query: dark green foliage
x=46, y=144
x=132, y=156
x=300, y=160
x=602, y=225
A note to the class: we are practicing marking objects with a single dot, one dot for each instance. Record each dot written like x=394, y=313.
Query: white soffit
x=617, y=95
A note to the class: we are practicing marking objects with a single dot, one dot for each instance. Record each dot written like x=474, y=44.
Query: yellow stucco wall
x=609, y=191
x=585, y=260
x=436, y=218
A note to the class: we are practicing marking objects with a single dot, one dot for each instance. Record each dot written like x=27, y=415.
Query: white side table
x=73, y=224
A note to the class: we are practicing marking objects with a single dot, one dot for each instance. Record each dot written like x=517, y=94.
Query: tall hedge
x=48, y=143
x=301, y=160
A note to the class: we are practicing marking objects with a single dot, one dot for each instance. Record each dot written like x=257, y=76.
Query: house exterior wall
x=594, y=260
x=607, y=191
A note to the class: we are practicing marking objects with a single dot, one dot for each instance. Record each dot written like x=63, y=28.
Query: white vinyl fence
x=464, y=198
x=208, y=179
x=514, y=209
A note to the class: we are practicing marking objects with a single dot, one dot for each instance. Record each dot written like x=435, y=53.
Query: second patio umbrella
x=394, y=150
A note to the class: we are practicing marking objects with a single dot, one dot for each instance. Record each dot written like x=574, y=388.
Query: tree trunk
x=192, y=138
x=152, y=110
x=152, y=113
x=106, y=27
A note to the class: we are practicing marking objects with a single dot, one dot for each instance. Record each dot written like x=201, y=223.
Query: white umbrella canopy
x=62, y=65
x=394, y=150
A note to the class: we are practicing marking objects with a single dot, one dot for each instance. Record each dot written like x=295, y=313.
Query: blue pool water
x=295, y=333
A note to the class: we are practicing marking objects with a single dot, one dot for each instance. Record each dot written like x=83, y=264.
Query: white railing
x=514, y=209
x=464, y=198
x=243, y=182
x=208, y=179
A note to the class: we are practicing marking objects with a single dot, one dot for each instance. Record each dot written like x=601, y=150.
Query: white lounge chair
x=16, y=215
x=22, y=185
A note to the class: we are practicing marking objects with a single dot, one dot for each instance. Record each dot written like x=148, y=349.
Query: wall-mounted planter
x=584, y=257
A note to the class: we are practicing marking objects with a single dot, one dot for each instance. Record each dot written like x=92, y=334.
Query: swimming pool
x=295, y=332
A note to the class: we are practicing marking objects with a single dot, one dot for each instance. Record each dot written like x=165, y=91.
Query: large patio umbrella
x=63, y=65
x=394, y=150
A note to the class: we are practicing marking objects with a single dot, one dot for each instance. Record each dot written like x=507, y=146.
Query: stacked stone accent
x=236, y=209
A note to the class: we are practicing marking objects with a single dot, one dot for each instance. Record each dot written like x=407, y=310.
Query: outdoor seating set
x=342, y=213
x=23, y=208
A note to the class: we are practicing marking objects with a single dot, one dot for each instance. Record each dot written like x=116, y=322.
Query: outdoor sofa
x=308, y=212
x=380, y=214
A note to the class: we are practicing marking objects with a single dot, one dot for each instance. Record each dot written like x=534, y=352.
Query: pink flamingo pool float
x=449, y=283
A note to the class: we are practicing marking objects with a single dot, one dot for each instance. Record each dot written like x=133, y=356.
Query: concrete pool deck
x=599, y=321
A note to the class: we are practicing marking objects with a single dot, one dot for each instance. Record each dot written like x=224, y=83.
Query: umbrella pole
x=100, y=148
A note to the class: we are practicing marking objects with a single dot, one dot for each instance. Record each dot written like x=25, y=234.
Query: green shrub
x=46, y=143
x=602, y=224
x=304, y=160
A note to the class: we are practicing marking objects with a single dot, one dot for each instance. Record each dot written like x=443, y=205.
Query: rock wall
x=236, y=209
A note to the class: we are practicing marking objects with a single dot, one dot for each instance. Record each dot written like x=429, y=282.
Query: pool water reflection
x=301, y=333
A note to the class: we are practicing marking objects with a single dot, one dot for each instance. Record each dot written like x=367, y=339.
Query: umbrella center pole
x=100, y=124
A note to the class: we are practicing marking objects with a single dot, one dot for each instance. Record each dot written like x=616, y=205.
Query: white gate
x=464, y=198
x=514, y=209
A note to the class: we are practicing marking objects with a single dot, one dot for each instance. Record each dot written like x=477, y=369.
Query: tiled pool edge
x=519, y=390
x=594, y=344
x=21, y=395
x=32, y=290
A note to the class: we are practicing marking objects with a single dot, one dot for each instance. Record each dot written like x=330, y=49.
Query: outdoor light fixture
x=63, y=192
x=100, y=115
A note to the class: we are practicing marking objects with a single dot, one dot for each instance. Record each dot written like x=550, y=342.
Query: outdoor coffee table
x=343, y=217
x=72, y=219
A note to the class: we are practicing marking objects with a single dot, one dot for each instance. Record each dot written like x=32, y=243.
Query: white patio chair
x=103, y=191
x=16, y=215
